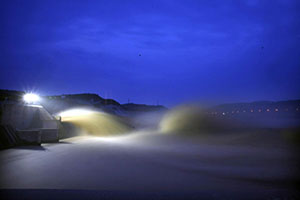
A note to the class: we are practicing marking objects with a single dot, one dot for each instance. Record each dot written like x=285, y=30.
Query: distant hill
x=142, y=107
x=89, y=98
x=108, y=105
x=57, y=103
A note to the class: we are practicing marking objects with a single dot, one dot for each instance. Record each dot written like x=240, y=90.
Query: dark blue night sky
x=171, y=51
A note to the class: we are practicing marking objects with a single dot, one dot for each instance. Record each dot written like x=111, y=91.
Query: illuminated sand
x=235, y=165
x=188, y=119
x=95, y=122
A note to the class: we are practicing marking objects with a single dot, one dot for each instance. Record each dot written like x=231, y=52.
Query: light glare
x=75, y=112
x=31, y=98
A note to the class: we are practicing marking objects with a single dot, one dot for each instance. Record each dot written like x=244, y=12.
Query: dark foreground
x=145, y=165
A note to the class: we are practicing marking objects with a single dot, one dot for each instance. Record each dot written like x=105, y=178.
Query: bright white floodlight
x=31, y=98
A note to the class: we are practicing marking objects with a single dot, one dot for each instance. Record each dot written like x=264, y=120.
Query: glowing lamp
x=31, y=98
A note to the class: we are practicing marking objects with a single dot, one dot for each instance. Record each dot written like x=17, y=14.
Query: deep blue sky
x=223, y=51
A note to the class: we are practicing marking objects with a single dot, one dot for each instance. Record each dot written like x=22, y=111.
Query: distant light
x=31, y=98
x=268, y=110
x=276, y=109
x=259, y=110
x=223, y=113
x=251, y=111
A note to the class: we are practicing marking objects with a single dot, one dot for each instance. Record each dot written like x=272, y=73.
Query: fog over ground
x=248, y=165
